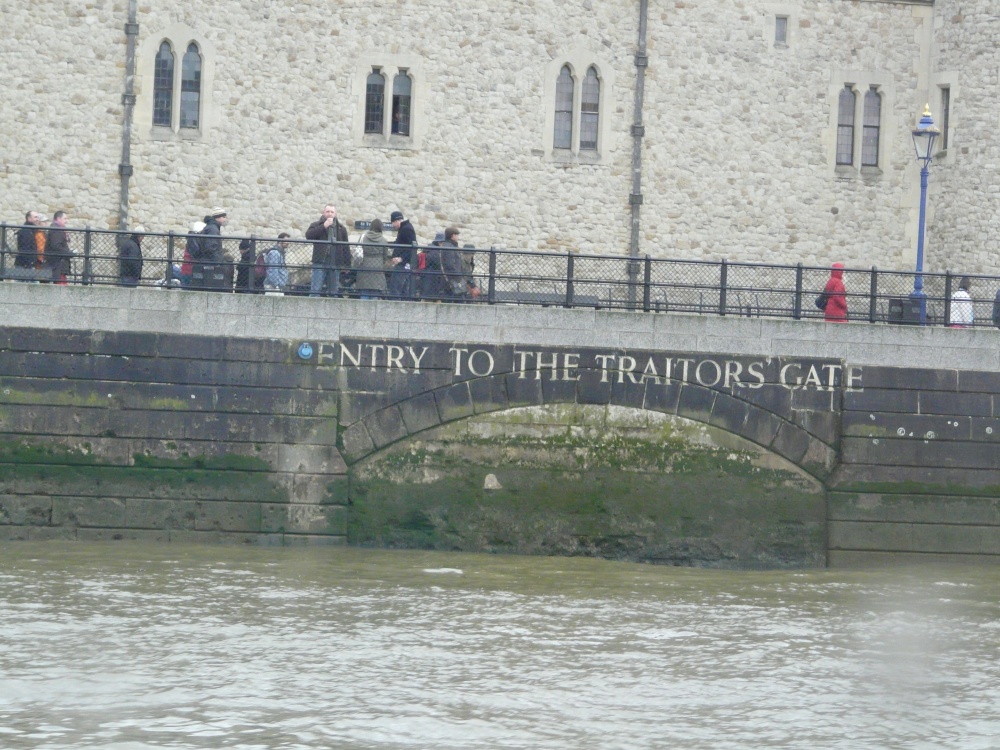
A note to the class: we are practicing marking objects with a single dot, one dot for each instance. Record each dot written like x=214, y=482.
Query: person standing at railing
x=27, y=250
x=836, y=296
x=371, y=282
x=57, y=252
x=130, y=258
x=402, y=256
x=331, y=253
x=211, y=245
x=40, y=237
x=276, y=273
x=961, y=314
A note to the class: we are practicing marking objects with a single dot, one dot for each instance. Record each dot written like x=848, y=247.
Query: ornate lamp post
x=923, y=141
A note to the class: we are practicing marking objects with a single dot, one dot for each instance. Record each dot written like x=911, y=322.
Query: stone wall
x=165, y=415
x=738, y=153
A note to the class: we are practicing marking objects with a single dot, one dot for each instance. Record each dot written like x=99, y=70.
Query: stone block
x=309, y=459
x=385, y=427
x=356, y=442
x=695, y=402
x=420, y=413
x=25, y=510
x=630, y=394
x=51, y=533
x=791, y=442
x=160, y=514
x=559, y=391
x=770, y=397
x=88, y=511
x=959, y=404
x=488, y=394
x=662, y=398
x=303, y=519
x=974, y=381
x=894, y=424
x=454, y=402
x=593, y=388
x=910, y=378
x=728, y=413
x=823, y=425
x=897, y=537
x=311, y=540
x=185, y=536
x=119, y=535
x=221, y=515
x=875, y=400
x=522, y=391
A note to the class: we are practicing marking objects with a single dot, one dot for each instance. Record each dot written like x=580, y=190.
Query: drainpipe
x=128, y=100
x=638, y=131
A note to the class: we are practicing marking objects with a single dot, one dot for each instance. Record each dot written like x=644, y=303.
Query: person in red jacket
x=836, y=296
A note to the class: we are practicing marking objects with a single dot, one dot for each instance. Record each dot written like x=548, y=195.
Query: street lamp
x=923, y=141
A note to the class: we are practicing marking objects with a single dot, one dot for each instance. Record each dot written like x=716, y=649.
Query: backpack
x=260, y=267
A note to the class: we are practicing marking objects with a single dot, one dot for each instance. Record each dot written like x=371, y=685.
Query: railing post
x=947, y=297
x=3, y=250
x=723, y=281
x=569, y=279
x=491, y=289
x=647, y=282
x=169, y=275
x=411, y=283
x=797, y=304
x=87, y=251
x=873, y=296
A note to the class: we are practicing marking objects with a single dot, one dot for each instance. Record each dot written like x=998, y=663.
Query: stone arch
x=807, y=438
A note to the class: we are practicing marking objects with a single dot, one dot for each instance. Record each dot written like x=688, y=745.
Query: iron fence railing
x=503, y=276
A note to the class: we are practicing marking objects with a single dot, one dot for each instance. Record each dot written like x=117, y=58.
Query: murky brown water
x=125, y=647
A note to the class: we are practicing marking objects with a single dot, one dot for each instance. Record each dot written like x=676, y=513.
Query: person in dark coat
x=371, y=271
x=57, y=252
x=403, y=256
x=454, y=286
x=211, y=245
x=248, y=258
x=27, y=251
x=130, y=258
x=330, y=253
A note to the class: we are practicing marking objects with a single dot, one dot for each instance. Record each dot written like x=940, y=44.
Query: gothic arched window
x=590, y=110
x=191, y=88
x=563, y=133
x=163, y=86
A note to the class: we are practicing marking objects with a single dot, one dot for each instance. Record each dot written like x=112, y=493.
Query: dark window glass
x=563, y=135
x=781, y=30
x=191, y=88
x=374, y=102
x=845, y=127
x=870, y=132
x=402, y=85
x=590, y=101
x=163, y=86
x=945, y=115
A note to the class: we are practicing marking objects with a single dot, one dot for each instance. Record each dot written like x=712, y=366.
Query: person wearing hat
x=403, y=257
x=211, y=245
x=57, y=252
x=961, y=305
x=130, y=258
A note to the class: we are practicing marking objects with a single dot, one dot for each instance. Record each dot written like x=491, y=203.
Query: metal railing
x=504, y=276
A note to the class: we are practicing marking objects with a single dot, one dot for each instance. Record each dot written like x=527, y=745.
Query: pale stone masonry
x=738, y=156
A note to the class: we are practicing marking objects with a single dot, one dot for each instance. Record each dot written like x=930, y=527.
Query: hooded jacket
x=836, y=303
x=371, y=271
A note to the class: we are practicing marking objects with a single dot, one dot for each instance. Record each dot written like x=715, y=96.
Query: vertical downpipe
x=128, y=100
x=638, y=131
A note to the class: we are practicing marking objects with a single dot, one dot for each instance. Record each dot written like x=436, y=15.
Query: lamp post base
x=918, y=305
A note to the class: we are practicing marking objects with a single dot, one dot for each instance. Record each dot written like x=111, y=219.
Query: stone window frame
x=180, y=37
x=770, y=15
x=389, y=66
x=861, y=83
x=579, y=62
x=939, y=81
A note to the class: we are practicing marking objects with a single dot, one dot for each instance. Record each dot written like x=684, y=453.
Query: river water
x=121, y=646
